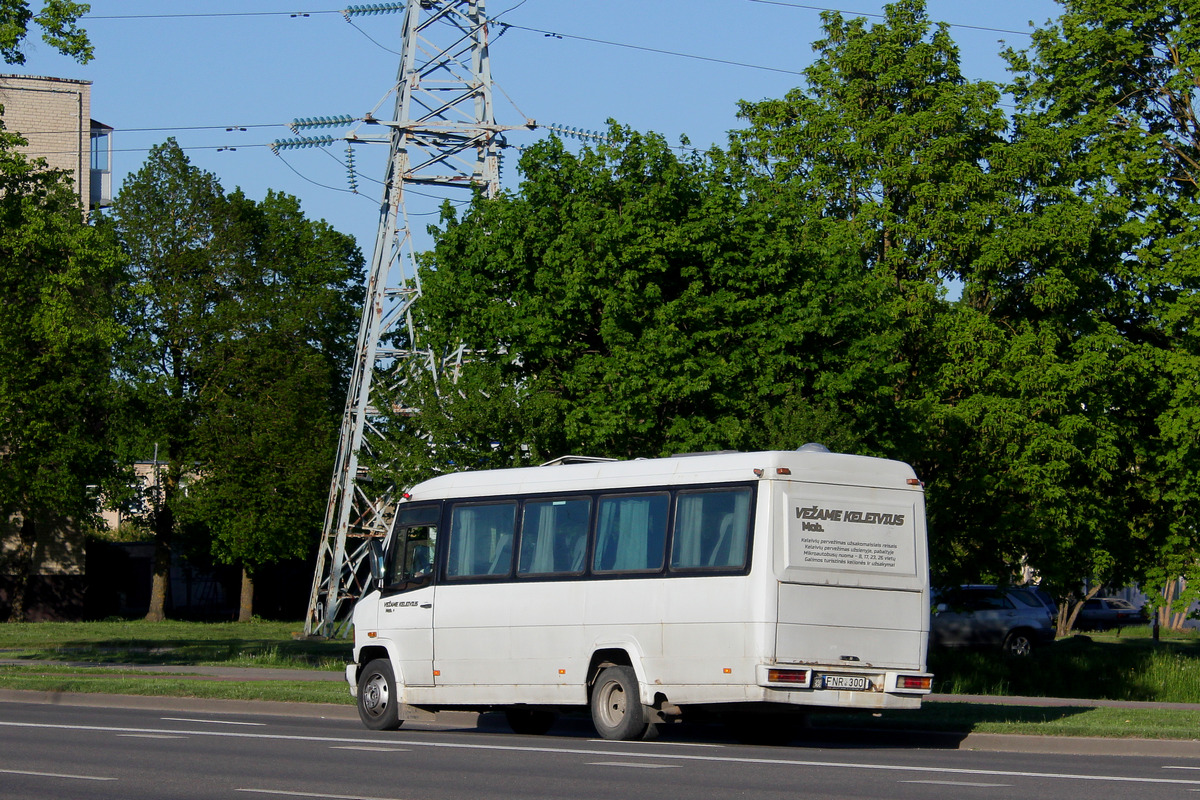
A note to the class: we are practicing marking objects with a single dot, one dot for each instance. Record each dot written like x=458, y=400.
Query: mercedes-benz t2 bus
x=754, y=585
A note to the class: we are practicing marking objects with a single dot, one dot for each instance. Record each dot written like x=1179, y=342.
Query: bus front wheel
x=378, y=700
x=617, y=709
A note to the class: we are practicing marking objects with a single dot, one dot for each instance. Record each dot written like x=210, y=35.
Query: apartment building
x=54, y=116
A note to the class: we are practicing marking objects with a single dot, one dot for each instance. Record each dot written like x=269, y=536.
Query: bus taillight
x=798, y=676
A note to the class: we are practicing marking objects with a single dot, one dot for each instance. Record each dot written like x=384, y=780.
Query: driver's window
x=410, y=559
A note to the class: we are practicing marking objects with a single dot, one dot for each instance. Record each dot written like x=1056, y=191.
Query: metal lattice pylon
x=444, y=134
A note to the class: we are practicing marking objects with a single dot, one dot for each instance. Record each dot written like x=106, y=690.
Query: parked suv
x=1013, y=618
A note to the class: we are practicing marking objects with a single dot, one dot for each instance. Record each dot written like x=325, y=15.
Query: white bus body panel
x=853, y=580
x=849, y=598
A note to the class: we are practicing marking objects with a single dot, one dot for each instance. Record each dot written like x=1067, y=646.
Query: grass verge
x=1125, y=665
x=70, y=680
x=229, y=644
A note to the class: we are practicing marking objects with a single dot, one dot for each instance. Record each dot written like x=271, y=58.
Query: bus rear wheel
x=378, y=700
x=616, y=705
x=529, y=721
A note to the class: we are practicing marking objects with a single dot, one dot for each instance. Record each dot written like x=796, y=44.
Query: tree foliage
x=169, y=219
x=273, y=384
x=57, y=327
x=1113, y=86
x=613, y=306
x=57, y=19
x=239, y=318
x=884, y=259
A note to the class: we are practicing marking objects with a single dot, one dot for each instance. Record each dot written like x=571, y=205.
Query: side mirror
x=375, y=558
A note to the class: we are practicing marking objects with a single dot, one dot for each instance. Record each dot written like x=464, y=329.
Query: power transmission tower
x=444, y=134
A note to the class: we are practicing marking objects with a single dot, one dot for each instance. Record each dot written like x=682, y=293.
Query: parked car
x=1040, y=595
x=1100, y=613
x=1012, y=618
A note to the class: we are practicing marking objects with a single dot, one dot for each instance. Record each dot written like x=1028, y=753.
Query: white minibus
x=750, y=586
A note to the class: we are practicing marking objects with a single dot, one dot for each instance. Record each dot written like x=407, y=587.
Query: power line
x=227, y=128
x=677, y=54
x=576, y=37
x=224, y=147
x=287, y=164
x=301, y=14
x=296, y=14
x=882, y=16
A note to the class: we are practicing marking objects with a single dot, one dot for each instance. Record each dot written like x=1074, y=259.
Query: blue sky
x=232, y=63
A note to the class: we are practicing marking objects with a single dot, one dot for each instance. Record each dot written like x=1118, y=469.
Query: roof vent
x=813, y=447
x=561, y=460
x=703, y=453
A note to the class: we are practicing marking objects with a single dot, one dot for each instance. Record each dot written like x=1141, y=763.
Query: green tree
x=272, y=387
x=1110, y=90
x=58, y=277
x=171, y=221
x=597, y=306
x=57, y=19
x=889, y=154
x=634, y=302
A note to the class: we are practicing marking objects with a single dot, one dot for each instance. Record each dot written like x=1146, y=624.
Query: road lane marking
x=55, y=775
x=148, y=736
x=214, y=721
x=294, y=793
x=1172, y=767
x=652, y=743
x=709, y=758
x=962, y=783
x=371, y=749
x=631, y=764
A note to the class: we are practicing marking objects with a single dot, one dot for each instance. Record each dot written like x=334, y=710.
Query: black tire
x=616, y=706
x=1018, y=643
x=378, y=700
x=530, y=721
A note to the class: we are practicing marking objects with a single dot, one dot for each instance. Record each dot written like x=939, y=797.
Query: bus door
x=406, y=602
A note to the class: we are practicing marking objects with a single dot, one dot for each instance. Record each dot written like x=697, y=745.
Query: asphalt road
x=198, y=750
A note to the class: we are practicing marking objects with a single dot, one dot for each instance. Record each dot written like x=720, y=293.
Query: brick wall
x=54, y=114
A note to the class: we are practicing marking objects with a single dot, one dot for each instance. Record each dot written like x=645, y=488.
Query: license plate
x=851, y=682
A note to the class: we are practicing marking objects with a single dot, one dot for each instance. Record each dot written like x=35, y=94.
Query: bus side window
x=711, y=530
x=631, y=533
x=481, y=540
x=553, y=537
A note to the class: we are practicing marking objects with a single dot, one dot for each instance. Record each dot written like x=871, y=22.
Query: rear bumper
x=841, y=686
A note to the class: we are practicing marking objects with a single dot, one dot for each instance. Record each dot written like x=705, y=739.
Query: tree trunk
x=1077, y=606
x=246, y=608
x=160, y=583
x=22, y=567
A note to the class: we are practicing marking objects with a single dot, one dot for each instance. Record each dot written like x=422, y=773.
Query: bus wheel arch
x=369, y=654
